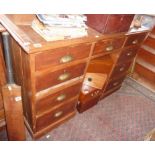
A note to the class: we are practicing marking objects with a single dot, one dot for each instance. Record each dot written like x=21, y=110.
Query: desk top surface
x=19, y=26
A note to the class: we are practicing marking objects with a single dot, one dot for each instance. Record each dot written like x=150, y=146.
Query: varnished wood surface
x=13, y=112
x=39, y=63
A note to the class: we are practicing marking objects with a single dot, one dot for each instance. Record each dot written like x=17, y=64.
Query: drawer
x=120, y=69
x=114, y=83
x=61, y=56
x=128, y=54
x=53, y=78
x=57, y=98
x=88, y=98
x=135, y=39
x=104, y=46
x=55, y=114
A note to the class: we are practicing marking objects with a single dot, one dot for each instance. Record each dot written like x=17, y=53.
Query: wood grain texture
x=13, y=112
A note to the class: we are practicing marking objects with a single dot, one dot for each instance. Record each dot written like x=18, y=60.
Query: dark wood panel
x=126, y=22
x=89, y=97
x=114, y=23
x=106, y=46
x=55, y=115
x=135, y=39
x=61, y=56
x=57, y=98
x=128, y=54
x=120, y=69
x=114, y=83
x=57, y=77
x=97, y=21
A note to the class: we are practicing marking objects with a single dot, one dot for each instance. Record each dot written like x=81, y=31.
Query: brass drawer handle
x=135, y=42
x=121, y=69
x=64, y=76
x=115, y=84
x=66, y=58
x=58, y=114
x=109, y=48
x=61, y=97
x=129, y=54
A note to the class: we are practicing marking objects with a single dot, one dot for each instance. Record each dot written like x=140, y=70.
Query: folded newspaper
x=60, y=27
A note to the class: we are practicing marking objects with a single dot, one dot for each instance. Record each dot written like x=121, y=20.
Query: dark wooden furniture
x=51, y=73
x=110, y=23
x=144, y=67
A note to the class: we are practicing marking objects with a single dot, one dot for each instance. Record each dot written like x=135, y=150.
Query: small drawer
x=60, y=76
x=61, y=56
x=57, y=98
x=104, y=46
x=135, y=39
x=114, y=83
x=120, y=69
x=55, y=114
x=88, y=98
x=128, y=54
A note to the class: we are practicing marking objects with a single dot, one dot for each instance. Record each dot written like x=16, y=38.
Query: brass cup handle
x=64, y=76
x=58, y=114
x=135, y=41
x=115, y=84
x=121, y=69
x=129, y=54
x=109, y=48
x=61, y=97
x=66, y=58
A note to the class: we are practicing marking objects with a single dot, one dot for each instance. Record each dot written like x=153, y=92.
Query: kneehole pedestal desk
x=52, y=73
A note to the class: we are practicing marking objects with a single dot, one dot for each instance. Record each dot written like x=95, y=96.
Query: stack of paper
x=59, y=27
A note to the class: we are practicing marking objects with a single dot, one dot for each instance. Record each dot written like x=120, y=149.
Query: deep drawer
x=127, y=54
x=57, y=98
x=135, y=39
x=104, y=46
x=55, y=115
x=61, y=56
x=120, y=70
x=57, y=77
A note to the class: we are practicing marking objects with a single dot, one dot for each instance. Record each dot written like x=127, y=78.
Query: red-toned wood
x=53, y=78
x=127, y=54
x=55, y=57
x=120, y=69
x=147, y=56
x=114, y=83
x=97, y=21
x=89, y=97
x=150, y=42
x=55, y=114
x=126, y=22
x=107, y=46
x=57, y=98
x=135, y=39
x=114, y=23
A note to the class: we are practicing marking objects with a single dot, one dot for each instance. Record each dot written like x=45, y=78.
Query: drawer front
x=57, y=98
x=135, y=39
x=128, y=54
x=114, y=83
x=120, y=69
x=57, y=77
x=105, y=46
x=55, y=115
x=61, y=56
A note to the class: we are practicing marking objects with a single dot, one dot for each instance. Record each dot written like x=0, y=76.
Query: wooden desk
x=51, y=83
